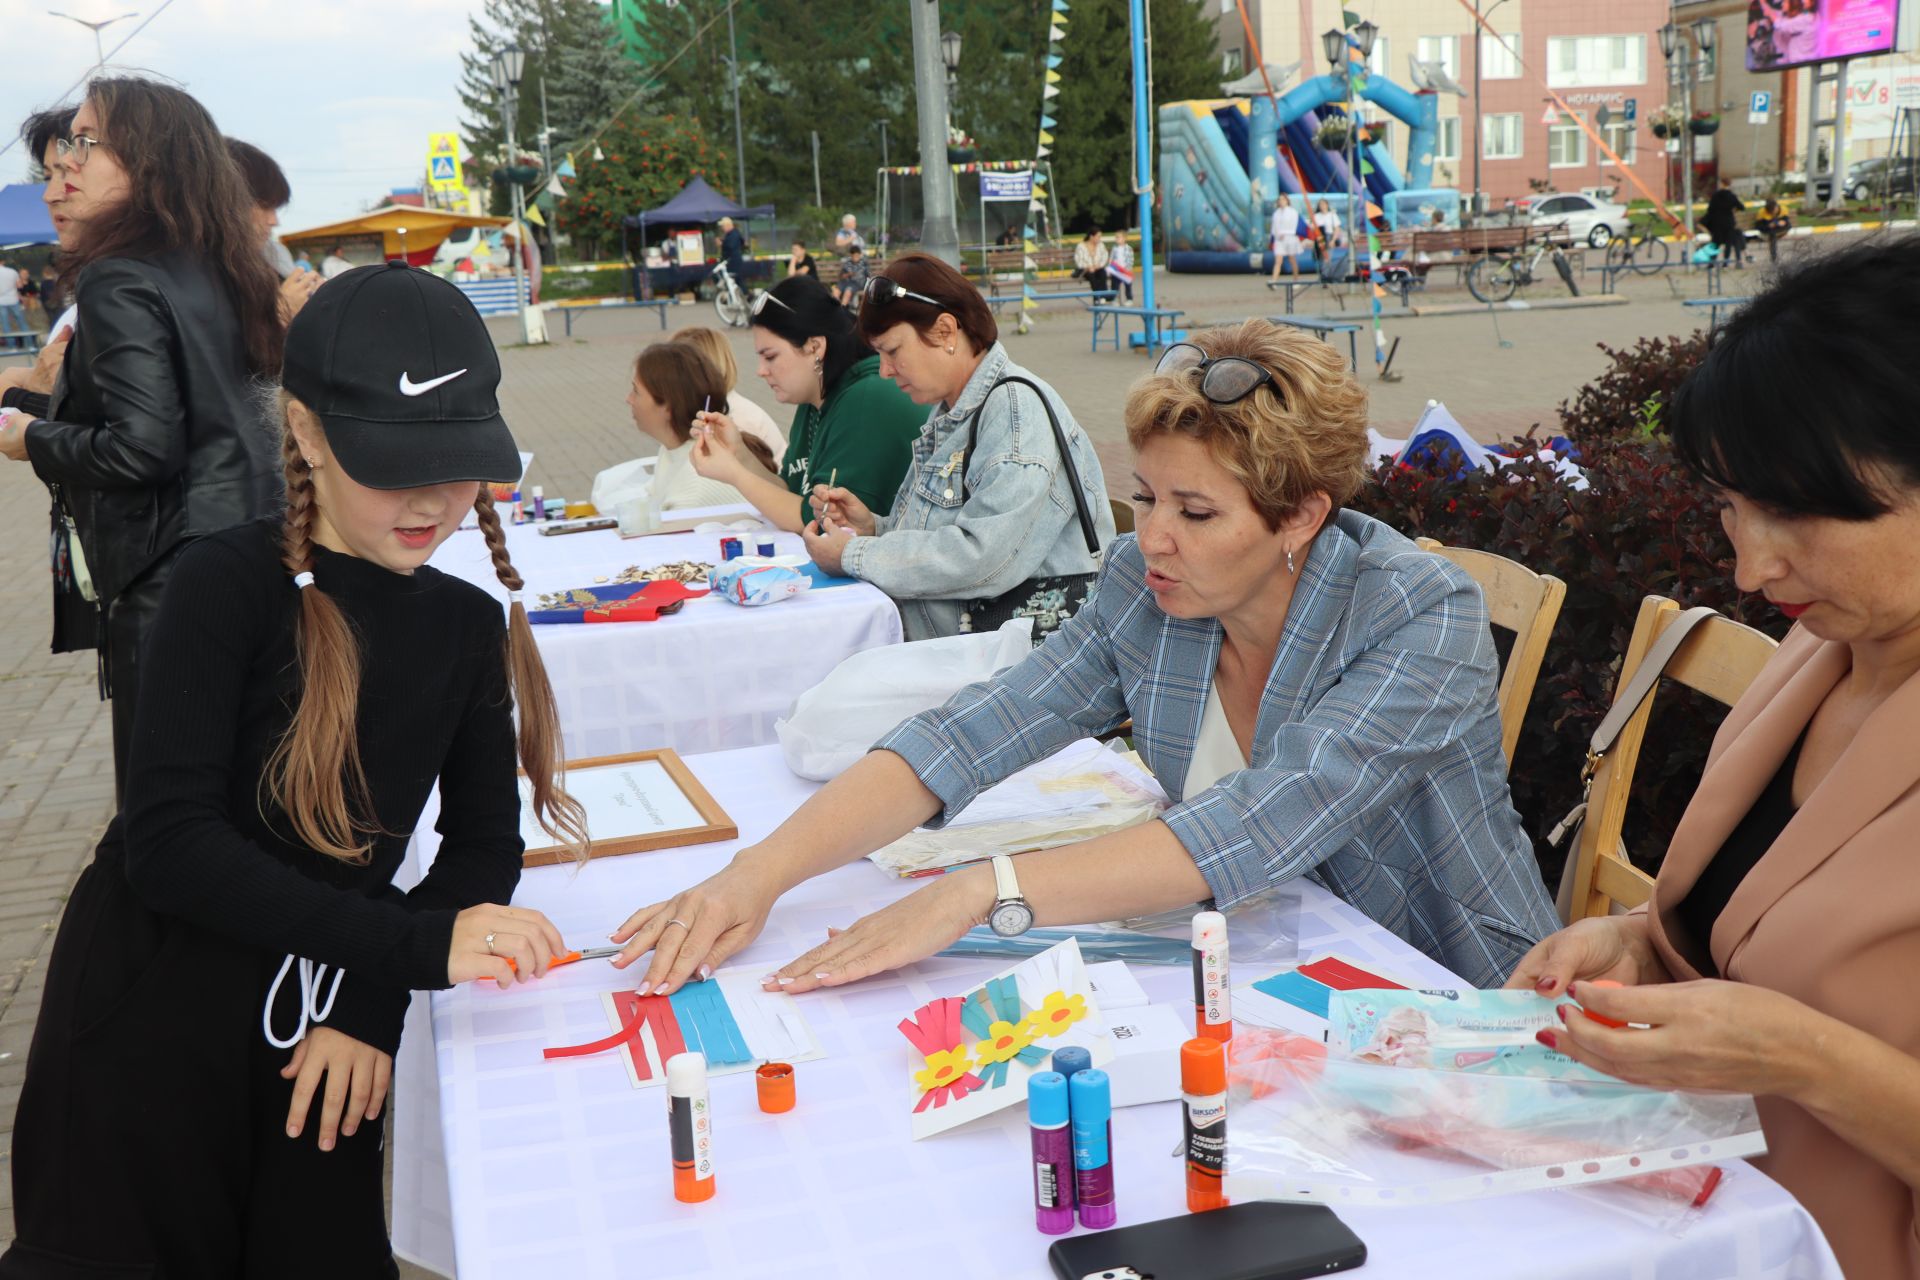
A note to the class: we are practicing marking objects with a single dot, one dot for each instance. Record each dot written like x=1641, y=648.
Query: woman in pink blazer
x=1781, y=952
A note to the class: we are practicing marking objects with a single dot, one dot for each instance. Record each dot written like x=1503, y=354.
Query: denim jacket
x=934, y=552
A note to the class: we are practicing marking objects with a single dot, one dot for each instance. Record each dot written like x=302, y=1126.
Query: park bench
x=1325, y=329
x=571, y=311
x=1152, y=320
x=1457, y=248
x=1715, y=304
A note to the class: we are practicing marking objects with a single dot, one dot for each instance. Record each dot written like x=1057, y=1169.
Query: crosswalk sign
x=443, y=162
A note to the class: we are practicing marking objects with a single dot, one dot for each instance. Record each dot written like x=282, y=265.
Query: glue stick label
x=690, y=1121
x=1210, y=985
x=1206, y=1124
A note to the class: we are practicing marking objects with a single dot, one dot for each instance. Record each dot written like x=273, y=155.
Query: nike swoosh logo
x=408, y=387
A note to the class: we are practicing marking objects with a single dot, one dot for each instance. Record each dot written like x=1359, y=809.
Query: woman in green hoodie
x=852, y=428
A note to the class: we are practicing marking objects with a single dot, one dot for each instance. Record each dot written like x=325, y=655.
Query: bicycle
x=1645, y=254
x=733, y=304
x=1497, y=276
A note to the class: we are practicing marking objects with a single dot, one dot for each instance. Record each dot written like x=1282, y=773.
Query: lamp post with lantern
x=1682, y=66
x=939, y=235
x=509, y=65
x=1337, y=45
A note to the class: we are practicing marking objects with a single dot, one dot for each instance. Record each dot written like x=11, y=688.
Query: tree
x=997, y=99
x=1092, y=161
x=593, y=77
x=646, y=160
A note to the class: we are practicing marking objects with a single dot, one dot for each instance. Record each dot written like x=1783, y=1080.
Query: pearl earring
x=949, y=348
x=1290, y=568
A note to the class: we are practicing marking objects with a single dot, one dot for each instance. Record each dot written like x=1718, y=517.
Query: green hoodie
x=861, y=438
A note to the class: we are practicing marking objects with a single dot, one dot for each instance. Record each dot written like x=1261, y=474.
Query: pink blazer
x=1830, y=916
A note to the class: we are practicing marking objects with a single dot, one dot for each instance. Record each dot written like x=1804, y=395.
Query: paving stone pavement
x=565, y=403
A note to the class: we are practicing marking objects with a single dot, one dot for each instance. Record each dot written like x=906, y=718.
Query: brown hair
x=712, y=344
x=315, y=775
x=683, y=379
x=184, y=195
x=1283, y=443
x=954, y=292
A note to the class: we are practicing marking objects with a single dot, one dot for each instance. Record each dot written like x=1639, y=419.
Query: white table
x=561, y=1168
x=711, y=677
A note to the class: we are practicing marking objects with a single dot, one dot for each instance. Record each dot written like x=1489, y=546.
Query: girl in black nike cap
x=226, y=992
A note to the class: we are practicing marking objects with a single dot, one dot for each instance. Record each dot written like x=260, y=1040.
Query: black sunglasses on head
x=880, y=290
x=1223, y=380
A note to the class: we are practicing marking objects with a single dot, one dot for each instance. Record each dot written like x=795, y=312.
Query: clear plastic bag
x=1263, y=930
x=1309, y=1126
x=1095, y=944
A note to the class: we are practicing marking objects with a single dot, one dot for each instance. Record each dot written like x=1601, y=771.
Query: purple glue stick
x=1091, y=1098
x=1053, y=1171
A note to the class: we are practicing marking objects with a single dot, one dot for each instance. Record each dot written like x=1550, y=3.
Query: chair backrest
x=1525, y=603
x=1122, y=515
x=1720, y=659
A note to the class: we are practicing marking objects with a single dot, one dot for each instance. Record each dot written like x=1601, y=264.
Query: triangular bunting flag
x=533, y=216
x=554, y=188
x=1045, y=137
x=1053, y=77
x=1047, y=121
x=1366, y=167
x=1053, y=60
x=566, y=169
x=1043, y=153
x=1030, y=264
x=1049, y=91
x=1027, y=232
x=1056, y=33
x=1059, y=6
x=1030, y=247
x=1348, y=18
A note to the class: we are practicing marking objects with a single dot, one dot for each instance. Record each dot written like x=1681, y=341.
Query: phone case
x=1258, y=1240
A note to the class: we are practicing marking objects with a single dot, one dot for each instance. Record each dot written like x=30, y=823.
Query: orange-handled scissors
x=591, y=953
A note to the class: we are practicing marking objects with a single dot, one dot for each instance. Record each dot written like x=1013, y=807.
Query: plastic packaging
x=1095, y=944
x=1264, y=930
x=1312, y=1126
x=756, y=584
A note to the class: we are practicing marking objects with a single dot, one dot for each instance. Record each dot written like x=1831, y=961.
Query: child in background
x=853, y=275
x=226, y=990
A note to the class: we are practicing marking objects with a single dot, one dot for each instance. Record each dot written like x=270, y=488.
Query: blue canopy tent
x=696, y=204
x=23, y=216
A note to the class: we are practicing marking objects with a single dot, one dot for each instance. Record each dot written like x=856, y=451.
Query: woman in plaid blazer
x=1316, y=694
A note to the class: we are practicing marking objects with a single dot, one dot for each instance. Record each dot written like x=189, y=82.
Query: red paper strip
x=626, y=1030
x=1341, y=976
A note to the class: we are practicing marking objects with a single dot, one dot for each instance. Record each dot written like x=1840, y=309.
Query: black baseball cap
x=402, y=373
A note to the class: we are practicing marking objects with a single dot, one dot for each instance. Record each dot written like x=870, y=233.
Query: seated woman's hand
x=696, y=932
x=913, y=928
x=838, y=508
x=1613, y=948
x=719, y=448
x=1710, y=1035
x=357, y=1076
x=825, y=547
x=486, y=938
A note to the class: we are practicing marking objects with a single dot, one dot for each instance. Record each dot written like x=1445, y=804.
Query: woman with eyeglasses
x=1004, y=510
x=1315, y=693
x=850, y=426
x=153, y=436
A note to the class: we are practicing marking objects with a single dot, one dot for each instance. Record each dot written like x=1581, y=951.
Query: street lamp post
x=1335, y=45
x=739, y=137
x=508, y=66
x=939, y=235
x=1673, y=45
x=1479, y=142
x=96, y=26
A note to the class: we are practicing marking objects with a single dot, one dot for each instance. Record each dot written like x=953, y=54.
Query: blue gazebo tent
x=696, y=204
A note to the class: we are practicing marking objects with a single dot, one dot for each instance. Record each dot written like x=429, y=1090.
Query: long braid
x=315, y=775
x=560, y=814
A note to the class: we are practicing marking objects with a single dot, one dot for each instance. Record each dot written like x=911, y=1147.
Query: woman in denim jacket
x=965, y=529
x=1315, y=693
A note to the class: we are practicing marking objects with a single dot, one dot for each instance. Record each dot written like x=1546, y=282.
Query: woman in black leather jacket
x=153, y=435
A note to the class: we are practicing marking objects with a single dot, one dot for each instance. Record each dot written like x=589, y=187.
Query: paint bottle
x=519, y=512
x=1203, y=1086
x=1053, y=1170
x=1212, y=979
x=690, y=1124
x=768, y=550
x=1070, y=1059
x=539, y=503
x=1091, y=1099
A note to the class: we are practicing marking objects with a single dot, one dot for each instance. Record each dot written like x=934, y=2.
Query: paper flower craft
x=943, y=1069
x=1058, y=1012
x=1004, y=1041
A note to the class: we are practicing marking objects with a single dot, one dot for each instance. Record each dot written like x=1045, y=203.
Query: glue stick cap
x=1046, y=1099
x=1209, y=929
x=1203, y=1067
x=1071, y=1058
x=686, y=1073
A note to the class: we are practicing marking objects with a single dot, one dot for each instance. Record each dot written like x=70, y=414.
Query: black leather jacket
x=154, y=434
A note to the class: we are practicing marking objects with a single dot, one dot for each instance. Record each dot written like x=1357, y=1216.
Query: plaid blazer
x=1376, y=765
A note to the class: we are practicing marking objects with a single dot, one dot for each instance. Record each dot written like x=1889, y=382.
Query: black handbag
x=1048, y=600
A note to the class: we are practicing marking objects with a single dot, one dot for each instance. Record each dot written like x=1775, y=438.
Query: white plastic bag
x=622, y=483
x=837, y=721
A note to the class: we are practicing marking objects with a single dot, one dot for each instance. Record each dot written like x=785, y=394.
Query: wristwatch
x=1011, y=916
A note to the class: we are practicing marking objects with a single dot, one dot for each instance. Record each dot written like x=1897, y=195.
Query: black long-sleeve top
x=217, y=693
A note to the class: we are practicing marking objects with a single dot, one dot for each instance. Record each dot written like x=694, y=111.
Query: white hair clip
x=303, y=578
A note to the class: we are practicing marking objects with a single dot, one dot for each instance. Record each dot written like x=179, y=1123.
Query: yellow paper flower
x=943, y=1068
x=1004, y=1040
x=1058, y=1012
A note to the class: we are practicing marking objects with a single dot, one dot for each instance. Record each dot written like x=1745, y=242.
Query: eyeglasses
x=76, y=149
x=761, y=300
x=1225, y=380
x=880, y=290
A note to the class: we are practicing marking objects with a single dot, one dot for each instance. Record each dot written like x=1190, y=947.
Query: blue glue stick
x=1053, y=1172
x=1071, y=1059
x=1092, y=1103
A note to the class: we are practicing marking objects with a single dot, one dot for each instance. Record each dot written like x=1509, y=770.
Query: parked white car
x=1589, y=220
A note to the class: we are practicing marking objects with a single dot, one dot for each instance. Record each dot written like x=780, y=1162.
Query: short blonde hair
x=712, y=344
x=1283, y=444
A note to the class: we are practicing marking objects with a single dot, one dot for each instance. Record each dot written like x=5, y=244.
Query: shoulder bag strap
x=1060, y=441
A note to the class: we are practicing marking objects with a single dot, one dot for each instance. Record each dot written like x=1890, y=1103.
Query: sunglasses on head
x=1223, y=380
x=880, y=290
x=761, y=300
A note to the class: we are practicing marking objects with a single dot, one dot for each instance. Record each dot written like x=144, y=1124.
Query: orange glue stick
x=1203, y=1086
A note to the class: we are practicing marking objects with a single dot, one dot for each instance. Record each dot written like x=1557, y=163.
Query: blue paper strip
x=1297, y=990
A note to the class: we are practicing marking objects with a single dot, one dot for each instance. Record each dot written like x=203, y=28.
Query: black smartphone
x=1258, y=1240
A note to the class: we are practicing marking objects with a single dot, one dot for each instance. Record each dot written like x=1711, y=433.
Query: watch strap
x=1006, y=887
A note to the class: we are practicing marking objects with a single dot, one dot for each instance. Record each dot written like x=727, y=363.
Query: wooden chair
x=1720, y=659
x=1525, y=603
x=1122, y=515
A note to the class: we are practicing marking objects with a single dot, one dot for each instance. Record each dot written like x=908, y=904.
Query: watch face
x=1011, y=919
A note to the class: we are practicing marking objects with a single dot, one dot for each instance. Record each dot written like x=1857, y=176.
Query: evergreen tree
x=544, y=30
x=1093, y=155
x=592, y=76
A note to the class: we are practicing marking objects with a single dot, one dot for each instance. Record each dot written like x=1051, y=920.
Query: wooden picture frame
x=714, y=824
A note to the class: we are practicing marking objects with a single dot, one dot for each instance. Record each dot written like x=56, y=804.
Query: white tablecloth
x=711, y=677
x=562, y=1168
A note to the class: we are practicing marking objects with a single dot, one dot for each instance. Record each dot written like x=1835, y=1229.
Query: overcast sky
x=343, y=93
